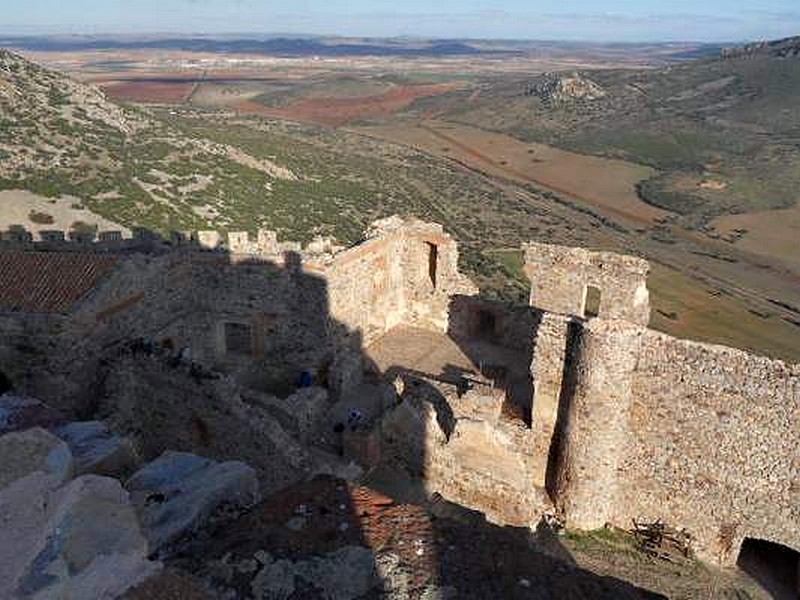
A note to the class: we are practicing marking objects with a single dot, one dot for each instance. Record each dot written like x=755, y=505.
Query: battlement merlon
x=584, y=284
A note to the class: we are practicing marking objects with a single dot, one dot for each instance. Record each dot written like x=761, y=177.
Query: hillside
x=724, y=134
x=58, y=137
x=785, y=48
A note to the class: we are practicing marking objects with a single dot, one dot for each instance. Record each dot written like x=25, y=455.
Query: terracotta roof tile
x=43, y=282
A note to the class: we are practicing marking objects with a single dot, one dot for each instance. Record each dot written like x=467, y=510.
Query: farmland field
x=607, y=184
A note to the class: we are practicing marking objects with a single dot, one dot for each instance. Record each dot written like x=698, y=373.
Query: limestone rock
x=345, y=574
x=178, y=492
x=554, y=88
x=23, y=510
x=82, y=541
x=96, y=449
x=18, y=413
x=26, y=452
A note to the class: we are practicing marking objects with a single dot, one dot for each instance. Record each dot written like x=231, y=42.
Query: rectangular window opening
x=433, y=262
x=238, y=339
x=591, y=303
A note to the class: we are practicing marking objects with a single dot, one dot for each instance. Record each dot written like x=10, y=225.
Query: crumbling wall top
x=583, y=283
x=396, y=224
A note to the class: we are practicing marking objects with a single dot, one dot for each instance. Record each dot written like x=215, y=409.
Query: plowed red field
x=337, y=111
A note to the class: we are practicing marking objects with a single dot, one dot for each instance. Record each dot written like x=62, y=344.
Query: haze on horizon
x=586, y=20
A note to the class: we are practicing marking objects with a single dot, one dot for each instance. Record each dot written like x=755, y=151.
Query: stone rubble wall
x=547, y=371
x=703, y=437
x=596, y=406
x=713, y=444
x=471, y=456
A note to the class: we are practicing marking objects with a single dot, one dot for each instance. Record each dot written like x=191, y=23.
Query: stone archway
x=774, y=566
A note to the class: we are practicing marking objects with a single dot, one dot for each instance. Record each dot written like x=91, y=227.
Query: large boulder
x=18, y=413
x=80, y=541
x=178, y=492
x=34, y=450
x=96, y=449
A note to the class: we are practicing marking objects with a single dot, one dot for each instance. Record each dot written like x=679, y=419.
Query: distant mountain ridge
x=783, y=48
x=283, y=46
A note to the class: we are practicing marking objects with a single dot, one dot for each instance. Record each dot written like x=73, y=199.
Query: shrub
x=41, y=218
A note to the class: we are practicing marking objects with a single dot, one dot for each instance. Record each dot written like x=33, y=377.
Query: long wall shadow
x=499, y=341
x=160, y=366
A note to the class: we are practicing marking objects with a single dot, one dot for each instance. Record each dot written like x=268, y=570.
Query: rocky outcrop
x=84, y=537
x=178, y=492
x=344, y=574
x=87, y=545
x=554, y=89
x=62, y=538
x=783, y=48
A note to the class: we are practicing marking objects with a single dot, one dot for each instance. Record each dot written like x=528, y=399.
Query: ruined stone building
x=570, y=406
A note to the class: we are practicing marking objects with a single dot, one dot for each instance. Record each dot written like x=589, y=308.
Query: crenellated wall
x=294, y=309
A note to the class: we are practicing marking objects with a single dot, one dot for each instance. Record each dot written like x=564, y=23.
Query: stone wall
x=293, y=309
x=703, y=437
x=714, y=444
x=462, y=449
x=626, y=423
x=562, y=277
x=551, y=344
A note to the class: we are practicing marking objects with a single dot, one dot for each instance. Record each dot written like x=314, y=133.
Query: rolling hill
x=724, y=134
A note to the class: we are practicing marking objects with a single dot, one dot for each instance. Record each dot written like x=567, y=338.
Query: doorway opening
x=775, y=567
x=5, y=384
x=238, y=339
x=487, y=324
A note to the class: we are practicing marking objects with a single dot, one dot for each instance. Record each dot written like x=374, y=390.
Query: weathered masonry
x=649, y=426
x=570, y=404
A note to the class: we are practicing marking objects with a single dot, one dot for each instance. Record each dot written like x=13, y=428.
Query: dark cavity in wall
x=433, y=262
x=5, y=384
x=487, y=324
x=556, y=459
x=775, y=567
x=238, y=339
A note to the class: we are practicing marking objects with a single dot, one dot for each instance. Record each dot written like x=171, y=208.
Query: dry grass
x=773, y=233
x=603, y=183
x=685, y=308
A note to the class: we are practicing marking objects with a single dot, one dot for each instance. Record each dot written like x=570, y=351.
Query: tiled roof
x=44, y=282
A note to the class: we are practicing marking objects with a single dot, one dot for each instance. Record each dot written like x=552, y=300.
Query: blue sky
x=591, y=20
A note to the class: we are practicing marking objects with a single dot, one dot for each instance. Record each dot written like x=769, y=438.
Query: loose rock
x=178, y=492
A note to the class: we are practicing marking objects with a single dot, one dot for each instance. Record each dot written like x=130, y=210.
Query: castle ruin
x=569, y=406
